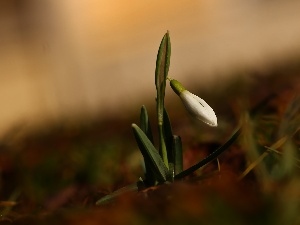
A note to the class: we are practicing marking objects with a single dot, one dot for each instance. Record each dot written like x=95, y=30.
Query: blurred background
x=96, y=58
x=74, y=74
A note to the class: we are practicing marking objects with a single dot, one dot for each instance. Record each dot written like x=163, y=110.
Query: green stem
x=212, y=156
x=162, y=145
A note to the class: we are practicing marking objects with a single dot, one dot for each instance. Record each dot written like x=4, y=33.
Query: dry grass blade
x=280, y=153
x=275, y=146
x=254, y=164
x=250, y=146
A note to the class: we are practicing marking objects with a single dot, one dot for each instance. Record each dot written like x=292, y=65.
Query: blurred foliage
x=55, y=174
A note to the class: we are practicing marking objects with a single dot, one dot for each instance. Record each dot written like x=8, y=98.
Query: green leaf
x=162, y=69
x=212, y=156
x=145, y=123
x=161, y=73
x=130, y=188
x=168, y=136
x=178, y=156
x=145, y=127
x=150, y=154
x=171, y=175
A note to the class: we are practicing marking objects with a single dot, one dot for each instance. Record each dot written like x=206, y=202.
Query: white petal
x=199, y=108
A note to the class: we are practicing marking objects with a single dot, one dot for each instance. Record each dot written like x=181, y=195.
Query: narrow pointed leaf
x=161, y=73
x=168, y=136
x=150, y=154
x=162, y=69
x=145, y=127
x=145, y=123
x=178, y=156
x=127, y=189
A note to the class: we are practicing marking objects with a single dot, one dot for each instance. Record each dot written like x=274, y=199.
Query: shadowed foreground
x=54, y=175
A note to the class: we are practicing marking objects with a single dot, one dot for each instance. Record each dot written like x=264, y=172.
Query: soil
x=55, y=175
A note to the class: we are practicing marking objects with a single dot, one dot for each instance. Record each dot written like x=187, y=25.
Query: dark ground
x=55, y=175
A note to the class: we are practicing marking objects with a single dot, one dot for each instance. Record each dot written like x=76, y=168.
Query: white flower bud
x=196, y=106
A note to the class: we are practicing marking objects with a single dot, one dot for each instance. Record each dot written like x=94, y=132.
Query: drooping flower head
x=196, y=106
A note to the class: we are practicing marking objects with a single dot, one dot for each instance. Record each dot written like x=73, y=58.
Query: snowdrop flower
x=195, y=105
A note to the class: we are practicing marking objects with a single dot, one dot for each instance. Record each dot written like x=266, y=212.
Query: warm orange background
x=95, y=57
